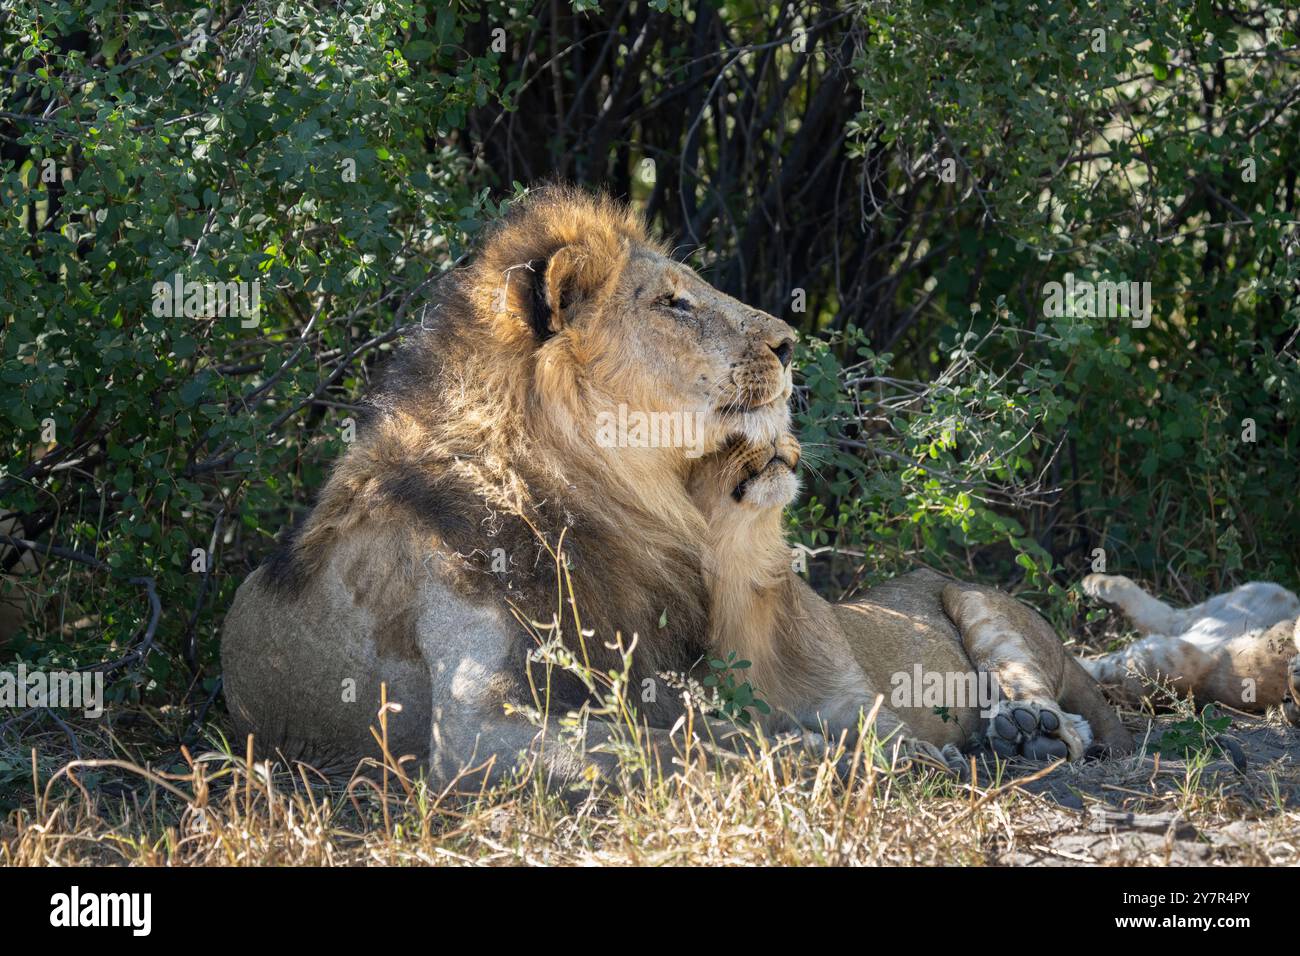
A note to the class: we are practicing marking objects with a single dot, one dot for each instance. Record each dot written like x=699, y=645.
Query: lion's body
x=429, y=561
x=898, y=625
x=957, y=629
x=1238, y=648
x=902, y=633
x=483, y=513
x=303, y=671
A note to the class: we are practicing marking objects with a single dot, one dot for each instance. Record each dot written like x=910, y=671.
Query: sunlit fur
x=758, y=608
x=482, y=435
x=824, y=662
x=1238, y=648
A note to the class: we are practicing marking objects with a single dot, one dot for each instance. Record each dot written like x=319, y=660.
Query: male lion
x=484, y=511
x=432, y=560
x=1048, y=707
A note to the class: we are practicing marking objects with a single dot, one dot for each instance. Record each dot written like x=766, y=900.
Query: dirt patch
x=1150, y=808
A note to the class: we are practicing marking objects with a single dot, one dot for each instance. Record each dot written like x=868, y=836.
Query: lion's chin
x=774, y=487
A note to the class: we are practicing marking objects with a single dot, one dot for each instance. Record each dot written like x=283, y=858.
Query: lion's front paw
x=1038, y=730
x=912, y=752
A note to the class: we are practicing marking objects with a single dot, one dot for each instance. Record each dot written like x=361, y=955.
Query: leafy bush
x=285, y=146
x=898, y=179
x=1155, y=145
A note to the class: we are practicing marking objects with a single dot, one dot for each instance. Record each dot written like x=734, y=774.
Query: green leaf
x=418, y=50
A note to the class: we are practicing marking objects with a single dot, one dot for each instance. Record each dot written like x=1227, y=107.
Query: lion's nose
x=784, y=351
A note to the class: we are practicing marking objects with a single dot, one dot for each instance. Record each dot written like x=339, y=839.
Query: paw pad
x=1029, y=730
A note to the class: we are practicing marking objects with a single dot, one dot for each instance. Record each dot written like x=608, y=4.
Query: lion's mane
x=470, y=443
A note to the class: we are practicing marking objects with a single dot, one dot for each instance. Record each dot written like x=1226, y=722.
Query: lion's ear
x=574, y=275
x=563, y=285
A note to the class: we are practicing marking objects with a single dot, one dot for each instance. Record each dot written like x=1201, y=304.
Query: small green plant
x=1198, y=735
x=736, y=698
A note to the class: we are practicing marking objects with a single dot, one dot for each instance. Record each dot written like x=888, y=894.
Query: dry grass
x=778, y=807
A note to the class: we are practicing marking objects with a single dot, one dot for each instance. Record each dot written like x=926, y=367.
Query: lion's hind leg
x=1048, y=707
x=1026, y=720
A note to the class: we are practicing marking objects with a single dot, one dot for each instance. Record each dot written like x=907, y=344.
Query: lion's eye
x=674, y=302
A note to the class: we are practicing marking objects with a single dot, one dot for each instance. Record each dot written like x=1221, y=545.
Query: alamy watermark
x=75, y=909
x=1081, y=299
x=213, y=300
x=69, y=690
x=945, y=689
x=627, y=428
